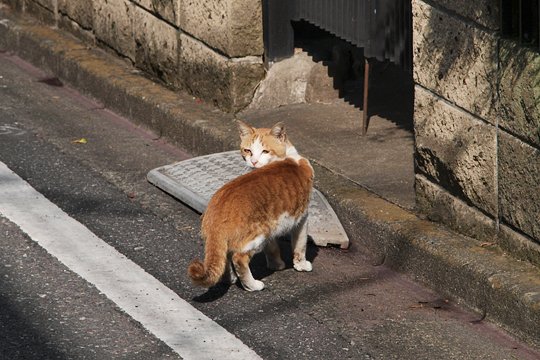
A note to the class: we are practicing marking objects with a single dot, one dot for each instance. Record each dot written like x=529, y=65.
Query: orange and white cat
x=248, y=214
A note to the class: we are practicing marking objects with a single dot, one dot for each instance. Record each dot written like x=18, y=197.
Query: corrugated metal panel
x=381, y=27
x=343, y=18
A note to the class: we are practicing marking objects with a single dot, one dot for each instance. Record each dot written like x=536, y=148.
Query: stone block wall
x=212, y=49
x=477, y=125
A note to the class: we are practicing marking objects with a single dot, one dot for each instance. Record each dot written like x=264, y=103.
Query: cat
x=249, y=213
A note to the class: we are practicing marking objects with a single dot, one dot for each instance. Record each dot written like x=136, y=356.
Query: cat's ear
x=278, y=131
x=244, y=128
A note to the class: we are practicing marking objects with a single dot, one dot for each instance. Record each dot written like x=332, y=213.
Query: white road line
x=173, y=320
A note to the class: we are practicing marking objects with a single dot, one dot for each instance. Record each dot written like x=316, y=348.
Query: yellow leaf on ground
x=80, y=141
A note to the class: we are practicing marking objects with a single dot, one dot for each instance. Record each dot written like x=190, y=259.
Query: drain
x=195, y=180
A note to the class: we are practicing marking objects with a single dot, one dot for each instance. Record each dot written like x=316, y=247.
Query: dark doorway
x=352, y=37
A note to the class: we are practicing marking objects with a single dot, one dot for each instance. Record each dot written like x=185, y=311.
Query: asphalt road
x=347, y=308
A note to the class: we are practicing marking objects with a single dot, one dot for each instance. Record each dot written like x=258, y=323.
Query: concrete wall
x=211, y=48
x=477, y=125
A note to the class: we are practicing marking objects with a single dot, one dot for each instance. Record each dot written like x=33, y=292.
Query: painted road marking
x=8, y=129
x=161, y=311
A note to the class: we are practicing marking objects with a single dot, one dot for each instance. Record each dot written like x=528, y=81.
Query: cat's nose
x=254, y=162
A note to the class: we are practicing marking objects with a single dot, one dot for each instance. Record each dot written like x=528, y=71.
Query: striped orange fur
x=249, y=213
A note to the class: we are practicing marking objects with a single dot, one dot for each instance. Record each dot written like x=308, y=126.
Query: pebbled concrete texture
x=112, y=27
x=476, y=124
x=505, y=289
x=519, y=190
x=519, y=92
x=486, y=13
x=160, y=55
x=456, y=150
x=455, y=60
x=232, y=26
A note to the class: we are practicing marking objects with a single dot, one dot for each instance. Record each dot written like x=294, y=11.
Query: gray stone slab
x=455, y=59
x=456, y=150
x=195, y=180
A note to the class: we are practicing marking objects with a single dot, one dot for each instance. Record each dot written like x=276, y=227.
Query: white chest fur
x=283, y=225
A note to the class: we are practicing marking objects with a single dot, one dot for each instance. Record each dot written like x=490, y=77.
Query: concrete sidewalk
x=507, y=291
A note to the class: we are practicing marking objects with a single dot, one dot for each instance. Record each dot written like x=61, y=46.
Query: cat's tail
x=207, y=274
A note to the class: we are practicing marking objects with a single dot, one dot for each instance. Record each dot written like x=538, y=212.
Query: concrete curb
x=506, y=290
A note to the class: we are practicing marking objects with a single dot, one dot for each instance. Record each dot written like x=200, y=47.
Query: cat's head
x=261, y=146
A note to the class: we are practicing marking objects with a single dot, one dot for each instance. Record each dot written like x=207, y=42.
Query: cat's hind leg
x=230, y=277
x=299, y=246
x=241, y=265
x=273, y=255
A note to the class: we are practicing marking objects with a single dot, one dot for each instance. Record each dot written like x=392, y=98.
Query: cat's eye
x=265, y=151
x=247, y=151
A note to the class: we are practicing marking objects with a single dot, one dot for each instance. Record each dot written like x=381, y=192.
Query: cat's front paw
x=303, y=265
x=256, y=285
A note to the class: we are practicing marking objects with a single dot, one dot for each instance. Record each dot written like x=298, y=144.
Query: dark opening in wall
x=345, y=61
x=520, y=20
x=390, y=86
x=343, y=35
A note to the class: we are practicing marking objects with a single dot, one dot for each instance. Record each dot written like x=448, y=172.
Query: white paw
x=256, y=285
x=303, y=265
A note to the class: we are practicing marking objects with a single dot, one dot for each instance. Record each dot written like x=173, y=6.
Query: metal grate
x=195, y=180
